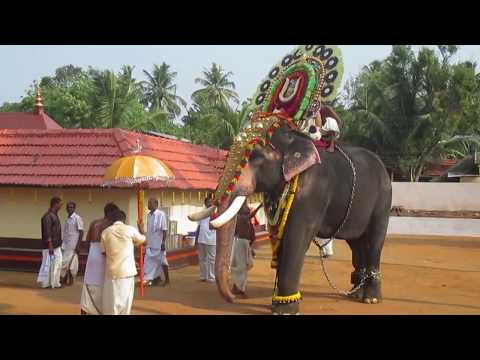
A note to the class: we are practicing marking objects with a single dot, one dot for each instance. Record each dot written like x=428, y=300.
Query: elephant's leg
x=359, y=264
x=373, y=249
x=292, y=251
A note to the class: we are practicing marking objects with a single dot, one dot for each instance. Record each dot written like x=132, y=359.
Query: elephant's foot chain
x=291, y=308
x=357, y=277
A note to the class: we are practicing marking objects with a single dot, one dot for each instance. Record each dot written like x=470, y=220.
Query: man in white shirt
x=207, y=245
x=117, y=244
x=72, y=239
x=156, y=264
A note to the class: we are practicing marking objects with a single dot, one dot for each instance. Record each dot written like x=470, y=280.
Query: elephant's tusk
x=232, y=210
x=203, y=214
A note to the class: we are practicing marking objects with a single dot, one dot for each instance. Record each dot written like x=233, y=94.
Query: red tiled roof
x=438, y=168
x=79, y=157
x=25, y=120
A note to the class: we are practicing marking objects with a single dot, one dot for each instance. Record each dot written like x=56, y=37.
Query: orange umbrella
x=135, y=170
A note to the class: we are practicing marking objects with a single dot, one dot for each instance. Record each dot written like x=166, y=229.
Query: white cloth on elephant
x=69, y=261
x=327, y=250
x=50, y=269
x=331, y=125
x=118, y=295
x=153, y=261
x=91, y=299
x=241, y=262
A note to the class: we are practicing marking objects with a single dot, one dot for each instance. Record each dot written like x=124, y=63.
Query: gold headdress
x=258, y=131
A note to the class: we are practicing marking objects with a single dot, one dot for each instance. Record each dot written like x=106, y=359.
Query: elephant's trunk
x=223, y=258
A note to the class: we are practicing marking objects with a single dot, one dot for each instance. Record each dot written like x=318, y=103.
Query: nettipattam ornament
x=258, y=131
x=297, y=86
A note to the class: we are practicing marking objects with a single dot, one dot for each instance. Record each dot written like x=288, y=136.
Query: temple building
x=39, y=159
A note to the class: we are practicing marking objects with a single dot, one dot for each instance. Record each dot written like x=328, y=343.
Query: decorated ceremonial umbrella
x=136, y=171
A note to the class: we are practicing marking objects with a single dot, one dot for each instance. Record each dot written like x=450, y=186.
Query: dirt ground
x=421, y=275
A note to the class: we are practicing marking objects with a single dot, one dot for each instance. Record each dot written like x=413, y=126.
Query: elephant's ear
x=298, y=156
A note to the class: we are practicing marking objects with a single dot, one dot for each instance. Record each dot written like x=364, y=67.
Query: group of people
x=60, y=254
x=109, y=279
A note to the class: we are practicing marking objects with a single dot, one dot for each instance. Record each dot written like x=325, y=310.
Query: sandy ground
x=420, y=276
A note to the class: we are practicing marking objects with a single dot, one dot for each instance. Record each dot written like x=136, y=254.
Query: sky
x=20, y=65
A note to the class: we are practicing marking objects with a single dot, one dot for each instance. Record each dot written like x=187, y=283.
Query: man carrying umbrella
x=117, y=243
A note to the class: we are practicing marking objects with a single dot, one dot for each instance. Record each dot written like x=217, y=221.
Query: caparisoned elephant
x=318, y=209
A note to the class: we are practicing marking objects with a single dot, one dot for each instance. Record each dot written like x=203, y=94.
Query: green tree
x=217, y=89
x=160, y=91
x=115, y=97
x=409, y=107
x=215, y=126
x=157, y=122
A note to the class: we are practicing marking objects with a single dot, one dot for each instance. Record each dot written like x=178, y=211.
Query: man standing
x=242, y=259
x=117, y=242
x=206, y=239
x=49, y=274
x=72, y=239
x=91, y=299
x=156, y=264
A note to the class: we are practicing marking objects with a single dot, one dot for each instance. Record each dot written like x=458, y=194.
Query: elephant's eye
x=256, y=159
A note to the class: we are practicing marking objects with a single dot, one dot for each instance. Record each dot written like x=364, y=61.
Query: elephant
x=318, y=209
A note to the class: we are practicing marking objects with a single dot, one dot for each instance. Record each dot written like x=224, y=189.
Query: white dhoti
x=69, y=262
x=153, y=261
x=242, y=261
x=206, y=260
x=118, y=295
x=49, y=274
x=92, y=291
x=327, y=250
x=91, y=299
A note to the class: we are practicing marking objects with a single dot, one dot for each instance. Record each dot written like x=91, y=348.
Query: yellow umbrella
x=135, y=170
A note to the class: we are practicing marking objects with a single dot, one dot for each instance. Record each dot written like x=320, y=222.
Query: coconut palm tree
x=217, y=89
x=160, y=90
x=229, y=125
x=114, y=96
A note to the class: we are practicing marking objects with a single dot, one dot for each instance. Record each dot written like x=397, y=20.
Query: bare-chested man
x=91, y=300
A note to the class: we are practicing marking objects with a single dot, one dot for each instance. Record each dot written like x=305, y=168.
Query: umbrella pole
x=140, y=219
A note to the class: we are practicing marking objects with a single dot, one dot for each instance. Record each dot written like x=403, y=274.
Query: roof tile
x=79, y=157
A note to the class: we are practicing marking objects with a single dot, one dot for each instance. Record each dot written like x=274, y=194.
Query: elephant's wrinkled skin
x=318, y=209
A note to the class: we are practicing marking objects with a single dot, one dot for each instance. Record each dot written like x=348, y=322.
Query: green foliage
x=217, y=89
x=159, y=91
x=410, y=107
